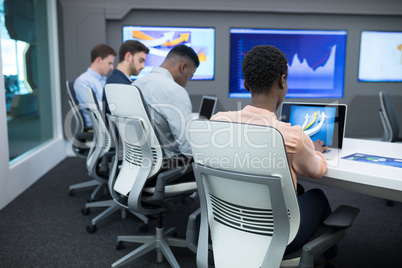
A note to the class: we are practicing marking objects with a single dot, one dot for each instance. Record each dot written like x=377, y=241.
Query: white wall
x=16, y=177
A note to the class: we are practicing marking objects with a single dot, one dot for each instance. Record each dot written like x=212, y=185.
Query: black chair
x=388, y=119
x=80, y=136
x=389, y=123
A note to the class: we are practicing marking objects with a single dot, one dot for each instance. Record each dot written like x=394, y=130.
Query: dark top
x=117, y=77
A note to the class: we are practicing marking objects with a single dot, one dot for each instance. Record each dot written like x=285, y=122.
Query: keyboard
x=330, y=153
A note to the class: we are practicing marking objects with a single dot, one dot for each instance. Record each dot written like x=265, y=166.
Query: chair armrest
x=165, y=178
x=342, y=217
x=319, y=245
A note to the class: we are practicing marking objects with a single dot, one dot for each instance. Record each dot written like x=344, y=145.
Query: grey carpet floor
x=43, y=227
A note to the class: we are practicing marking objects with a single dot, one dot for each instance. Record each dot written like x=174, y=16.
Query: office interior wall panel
x=21, y=173
x=153, y=13
x=83, y=28
x=118, y=8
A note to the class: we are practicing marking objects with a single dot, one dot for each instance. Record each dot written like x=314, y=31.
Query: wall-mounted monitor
x=380, y=56
x=316, y=60
x=160, y=40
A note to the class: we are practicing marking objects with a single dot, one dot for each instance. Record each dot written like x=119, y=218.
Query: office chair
x=248, y=201
x=389, y=123
x=96, y=162
x=388, y=119
x=80, y=135
x=144, y=184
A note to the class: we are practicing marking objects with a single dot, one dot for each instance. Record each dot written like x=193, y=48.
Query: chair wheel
x=143, y=228
x=119, y=245
x=85, y=211
x=389, y=203
x=71, y=193
x=91, y=228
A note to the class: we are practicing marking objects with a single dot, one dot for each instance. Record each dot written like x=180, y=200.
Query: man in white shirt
x=168, y=101
x=102, y=58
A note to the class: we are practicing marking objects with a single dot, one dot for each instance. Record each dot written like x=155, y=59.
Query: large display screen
x=316, y=60
x=380, y=57
x=160, y=40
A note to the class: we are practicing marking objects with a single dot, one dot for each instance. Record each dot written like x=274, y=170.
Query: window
x=25, y=61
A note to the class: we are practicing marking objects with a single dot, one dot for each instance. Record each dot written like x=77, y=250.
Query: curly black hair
x=262, y=65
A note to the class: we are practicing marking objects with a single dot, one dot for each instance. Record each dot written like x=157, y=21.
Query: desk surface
x=366, y=178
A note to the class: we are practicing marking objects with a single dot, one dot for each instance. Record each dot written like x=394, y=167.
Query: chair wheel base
x=85, y=211
x=119, y=245
x=143, y=228
x=91, y=228
x=389, y=203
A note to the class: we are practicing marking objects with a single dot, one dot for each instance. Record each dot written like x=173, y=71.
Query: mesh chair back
x=142, y=153
x=102, y=140
x=247, y=192
x=74, y=105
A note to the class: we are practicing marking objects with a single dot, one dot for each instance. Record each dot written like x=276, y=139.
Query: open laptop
x=207, y=107
x=319, y=121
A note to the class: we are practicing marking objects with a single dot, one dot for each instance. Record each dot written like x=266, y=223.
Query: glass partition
x=25, y=61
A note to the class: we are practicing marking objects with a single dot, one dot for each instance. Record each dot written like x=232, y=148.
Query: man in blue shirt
x=132, y=56
x=102, y=58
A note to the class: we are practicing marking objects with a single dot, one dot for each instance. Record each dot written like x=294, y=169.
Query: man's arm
x=179, y=116
x=306, y=160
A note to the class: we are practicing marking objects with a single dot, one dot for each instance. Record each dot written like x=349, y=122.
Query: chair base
x=86, y=184
x=112, y=207
x=160, y=242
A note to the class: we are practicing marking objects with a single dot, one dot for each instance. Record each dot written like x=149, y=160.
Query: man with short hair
x=168, y=101
x=265, y=73
x=102, y=58
x=132, y=56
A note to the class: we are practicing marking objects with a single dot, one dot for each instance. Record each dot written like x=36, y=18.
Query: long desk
x=366, y=178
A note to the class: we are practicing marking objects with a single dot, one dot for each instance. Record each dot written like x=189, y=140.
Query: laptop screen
x=324, y=122
x=207, y=107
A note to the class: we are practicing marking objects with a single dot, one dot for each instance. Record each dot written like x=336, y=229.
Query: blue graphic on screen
x=375, y=159
x=316, y=60
x=160, y=40
x=317, y=122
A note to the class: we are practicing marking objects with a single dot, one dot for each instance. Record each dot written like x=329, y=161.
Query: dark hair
x=133, y=47
x=184, y=51
x=101, y=50
x=262, y=65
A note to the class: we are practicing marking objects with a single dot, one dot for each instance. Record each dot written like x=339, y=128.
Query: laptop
x=319, y=121
x=207, y=107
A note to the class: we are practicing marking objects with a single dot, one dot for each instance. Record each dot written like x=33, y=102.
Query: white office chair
x=388, y=119
x=101, y=150
x=82, y=140
x=143, y=184
x=248, y=200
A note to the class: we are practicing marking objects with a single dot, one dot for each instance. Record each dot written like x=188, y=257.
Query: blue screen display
x=160, y=40
x=316, y=60
x=317, y=122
